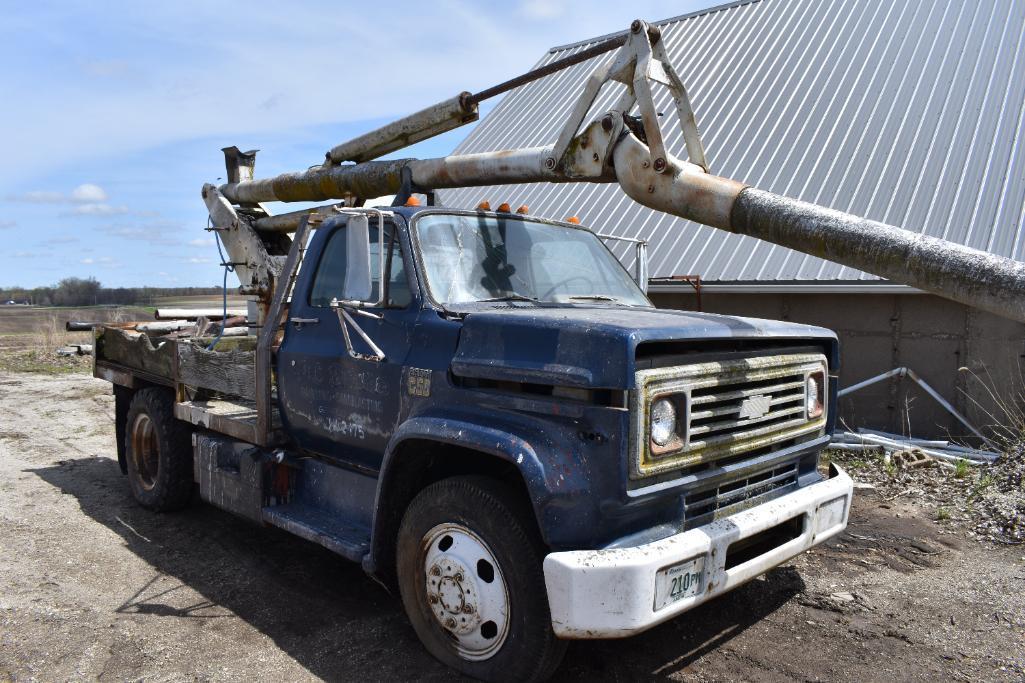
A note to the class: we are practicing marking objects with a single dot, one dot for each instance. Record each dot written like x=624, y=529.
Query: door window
x=328, y=283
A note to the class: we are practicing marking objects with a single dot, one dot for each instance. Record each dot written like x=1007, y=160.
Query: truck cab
x=486, y=411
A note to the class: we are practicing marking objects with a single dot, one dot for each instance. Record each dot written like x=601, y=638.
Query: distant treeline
x=73, y=291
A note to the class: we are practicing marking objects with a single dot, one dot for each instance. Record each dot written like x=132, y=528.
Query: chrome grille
x=701, y=507
x=725, y=408
x=716, y=412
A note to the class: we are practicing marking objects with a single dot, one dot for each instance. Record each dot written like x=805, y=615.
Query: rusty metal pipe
x=950, y=270
x=426, y=123
x=289, y=222
x=953, y=271
x=378, y=178
x=972, y=277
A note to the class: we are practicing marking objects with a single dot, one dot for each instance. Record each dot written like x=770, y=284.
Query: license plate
x=679, y=581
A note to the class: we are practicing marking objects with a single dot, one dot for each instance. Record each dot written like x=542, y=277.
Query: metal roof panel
x=907, y=111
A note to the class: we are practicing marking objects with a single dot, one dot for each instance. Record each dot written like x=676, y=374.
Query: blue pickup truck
x=486, y=411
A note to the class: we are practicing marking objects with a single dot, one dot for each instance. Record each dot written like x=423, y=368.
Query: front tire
x=158, y=451
x=469, y=564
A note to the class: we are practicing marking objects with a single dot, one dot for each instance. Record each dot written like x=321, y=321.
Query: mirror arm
x=345, y=320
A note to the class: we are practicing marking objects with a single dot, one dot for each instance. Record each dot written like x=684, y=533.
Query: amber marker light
x=574, y=220
x=504, y=208
x=524, y=209
x=484, y=206
x=412, y=201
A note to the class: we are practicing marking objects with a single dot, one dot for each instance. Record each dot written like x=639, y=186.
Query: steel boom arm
x=630, y=151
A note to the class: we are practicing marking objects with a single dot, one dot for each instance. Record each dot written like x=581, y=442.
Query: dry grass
x=1006, y=414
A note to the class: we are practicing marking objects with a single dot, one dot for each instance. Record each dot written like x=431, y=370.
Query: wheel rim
x=144, y=451
x=465, y=590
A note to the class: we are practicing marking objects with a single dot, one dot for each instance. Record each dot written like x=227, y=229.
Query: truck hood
x=592, y=347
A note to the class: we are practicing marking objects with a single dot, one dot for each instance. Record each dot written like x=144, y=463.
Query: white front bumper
x=611, y=593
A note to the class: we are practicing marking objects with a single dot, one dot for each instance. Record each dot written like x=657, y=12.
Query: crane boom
x=630, y=151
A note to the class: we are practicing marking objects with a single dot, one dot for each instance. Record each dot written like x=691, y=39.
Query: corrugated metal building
x=905, y=111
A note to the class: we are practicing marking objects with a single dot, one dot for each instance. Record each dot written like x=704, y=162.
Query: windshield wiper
x=510, y=297
x=594, y=297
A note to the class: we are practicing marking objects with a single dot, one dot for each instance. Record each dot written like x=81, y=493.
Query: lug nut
x=435, y=571
x=458, y=577
x=450, y=623
x=468, y=609
x=432, y=598
x=660, y=165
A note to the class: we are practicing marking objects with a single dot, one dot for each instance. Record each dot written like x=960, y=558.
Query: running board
x=324, y=528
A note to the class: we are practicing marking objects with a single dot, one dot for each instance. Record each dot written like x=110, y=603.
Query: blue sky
x=115, y=112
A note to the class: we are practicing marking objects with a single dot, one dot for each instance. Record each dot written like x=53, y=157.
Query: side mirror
x=641, y=266
x=359, y=283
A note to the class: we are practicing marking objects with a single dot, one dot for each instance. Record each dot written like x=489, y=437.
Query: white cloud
x=543, y=9
x=38, y=197
x=152, y=232
x=202, y=242
x=196, y=259
x=98, y=209
x=7, y=225
x=88, y=192
x=106, y=261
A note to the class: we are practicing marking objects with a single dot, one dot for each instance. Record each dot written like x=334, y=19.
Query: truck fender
x=492, y=441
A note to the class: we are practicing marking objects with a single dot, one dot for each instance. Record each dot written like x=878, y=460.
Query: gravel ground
x=987, y=501
x=93, y=587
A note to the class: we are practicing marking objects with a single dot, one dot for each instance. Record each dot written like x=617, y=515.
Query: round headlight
x=813, y=396
x=663, y=421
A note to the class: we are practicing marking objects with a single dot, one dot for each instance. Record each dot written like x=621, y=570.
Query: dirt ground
x=93, y=587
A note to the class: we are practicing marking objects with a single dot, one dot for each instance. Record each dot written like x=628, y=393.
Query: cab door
x=336, y=403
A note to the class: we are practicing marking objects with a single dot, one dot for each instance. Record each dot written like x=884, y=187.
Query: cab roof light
x=413, y=201
x=574, y=220
x=524, y=209
x=484, y=206
x=504, y=208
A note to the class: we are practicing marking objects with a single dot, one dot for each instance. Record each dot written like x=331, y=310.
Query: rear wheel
x=469, y=569
x=158, y=452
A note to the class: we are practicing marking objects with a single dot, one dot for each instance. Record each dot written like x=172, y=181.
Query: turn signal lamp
x=815, y=394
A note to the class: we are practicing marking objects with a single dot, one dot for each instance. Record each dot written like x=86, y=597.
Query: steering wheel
x=563, y=283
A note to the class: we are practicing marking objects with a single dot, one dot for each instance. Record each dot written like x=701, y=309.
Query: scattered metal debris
x=910, y=374
x=76, y=350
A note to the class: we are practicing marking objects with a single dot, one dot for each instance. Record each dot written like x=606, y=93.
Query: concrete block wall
x=964, y=353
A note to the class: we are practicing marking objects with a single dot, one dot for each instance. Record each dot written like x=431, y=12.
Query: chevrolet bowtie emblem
x=755, y=406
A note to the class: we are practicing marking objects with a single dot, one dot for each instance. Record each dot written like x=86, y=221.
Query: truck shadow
x=325, y=613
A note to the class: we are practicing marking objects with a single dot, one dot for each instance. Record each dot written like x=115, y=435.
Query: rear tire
x=158, y=451
x=469, y=564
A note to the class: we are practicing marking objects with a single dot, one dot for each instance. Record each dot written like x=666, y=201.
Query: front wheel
x=469, y=571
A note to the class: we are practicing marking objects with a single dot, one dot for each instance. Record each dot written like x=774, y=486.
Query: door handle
x=299, y=322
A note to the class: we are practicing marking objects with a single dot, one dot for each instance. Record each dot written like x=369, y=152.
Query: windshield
x=487, y=258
